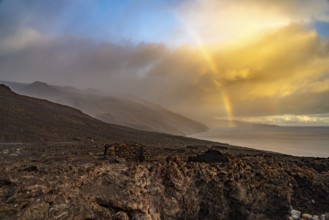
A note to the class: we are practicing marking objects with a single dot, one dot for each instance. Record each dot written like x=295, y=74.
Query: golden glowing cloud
x=247, y=58
x=218, y=21
x=255, y=77
x=256, y=49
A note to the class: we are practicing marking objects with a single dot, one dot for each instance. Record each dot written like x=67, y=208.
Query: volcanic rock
x=75, y=182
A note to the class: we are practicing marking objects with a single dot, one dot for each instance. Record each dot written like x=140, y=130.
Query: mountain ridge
x=136, y=114
x=28, y=119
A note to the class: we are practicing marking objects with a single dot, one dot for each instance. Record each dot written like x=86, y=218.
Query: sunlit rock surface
x=139, y=182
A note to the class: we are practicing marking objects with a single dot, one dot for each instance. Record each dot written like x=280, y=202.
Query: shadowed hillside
x=28, y=119
x=136, y=114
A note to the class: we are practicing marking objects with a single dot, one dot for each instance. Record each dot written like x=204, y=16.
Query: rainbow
x=213, y=68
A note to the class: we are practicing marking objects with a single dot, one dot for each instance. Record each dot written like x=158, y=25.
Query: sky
x=252, y=60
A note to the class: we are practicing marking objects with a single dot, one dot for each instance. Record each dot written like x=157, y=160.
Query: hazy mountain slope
x=135, y=114
x=148, y=116
x=44, y=89
x=29, y=119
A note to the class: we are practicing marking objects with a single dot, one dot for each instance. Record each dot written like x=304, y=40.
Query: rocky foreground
x=132, y=181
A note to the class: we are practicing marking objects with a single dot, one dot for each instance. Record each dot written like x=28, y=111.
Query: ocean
x=297, y=141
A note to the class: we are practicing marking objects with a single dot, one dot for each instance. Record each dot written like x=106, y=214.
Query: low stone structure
x=210, y=156
x=131, y=152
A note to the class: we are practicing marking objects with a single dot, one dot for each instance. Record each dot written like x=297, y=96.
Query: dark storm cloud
x=79, y=62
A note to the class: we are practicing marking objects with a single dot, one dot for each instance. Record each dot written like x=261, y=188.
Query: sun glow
x=265, y=68
x=230, y=29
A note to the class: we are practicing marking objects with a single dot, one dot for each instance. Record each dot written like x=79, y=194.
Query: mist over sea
x=297, y=141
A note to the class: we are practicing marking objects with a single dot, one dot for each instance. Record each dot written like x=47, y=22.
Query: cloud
x=292, y=120
x=278, y=71
x=109, y=21
x=226, y=20
x=281, y=72
x=19, y=40
x=38, y=15
x=82, y=63
x=282, y=62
